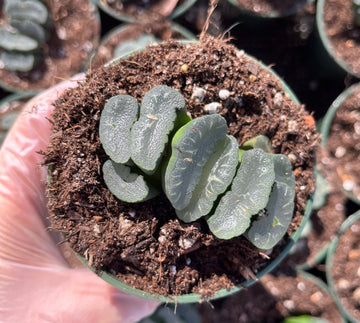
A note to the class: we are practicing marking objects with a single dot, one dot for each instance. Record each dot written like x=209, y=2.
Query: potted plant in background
x=144, y=248
x=130, y=11
x=10, y=108
x=125, y=39
x=43, y=42
x=338, y=26
x=342, y=268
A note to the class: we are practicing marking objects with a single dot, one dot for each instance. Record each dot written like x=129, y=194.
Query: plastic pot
x=336, y=65
x=193, y=297
x=8, y=115
x=127, y=31
x=328, y=119
x=178, y=11
x=271, y=14
x=330, y=260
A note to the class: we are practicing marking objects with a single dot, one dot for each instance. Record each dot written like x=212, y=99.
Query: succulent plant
x=24, y=34
x=129, y=46
x=239, y=191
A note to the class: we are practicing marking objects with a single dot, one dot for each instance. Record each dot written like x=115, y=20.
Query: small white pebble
x=162, y=239
x=343, y=284
x=186, y=243
x=302, y=188
x=357, y=127
x=340, y=152
x=188, y=261
x=339, y=207
x=301, y=286
x=198, y=94
x=61, y=32
x=224, y=94
x=132, y=213
x=278, y=100
x=292, y=157
x=289, y=304
x=348, y=185
x=212, y=107
x=172, y=270
x=292, y=126
x=96, y=228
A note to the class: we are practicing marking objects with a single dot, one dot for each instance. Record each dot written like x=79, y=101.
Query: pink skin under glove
x=36, y=283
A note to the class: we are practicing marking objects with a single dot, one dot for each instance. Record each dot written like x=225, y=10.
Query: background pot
x=68, y=34
x=193, y=297
x=328, y=120
x=9, y=113
x=241, y=12
x=131, y=32
x=332, y=63
x=330, y=260
x=178, y=11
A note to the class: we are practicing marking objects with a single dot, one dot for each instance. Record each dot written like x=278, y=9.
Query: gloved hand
x=36, y=283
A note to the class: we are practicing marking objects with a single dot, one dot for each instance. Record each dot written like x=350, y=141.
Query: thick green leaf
x=117, y=118
x=126, y=186
x=30, y=28
x=18, y=62
x=162, y=107
x=216, y=177
x=249, y=194
x=268, y=230
x=260, y=141
x=11, y=40
x=192, y=146
x=129, y=46
x=29, y=9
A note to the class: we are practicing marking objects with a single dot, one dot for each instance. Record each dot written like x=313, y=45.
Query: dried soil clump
x=343, y=35
x=75, y=36
x=144, y=244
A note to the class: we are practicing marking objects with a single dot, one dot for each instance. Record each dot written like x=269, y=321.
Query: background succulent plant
x=245, y=190
x=26, y=30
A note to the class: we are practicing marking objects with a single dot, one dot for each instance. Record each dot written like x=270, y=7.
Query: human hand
x=36, y=283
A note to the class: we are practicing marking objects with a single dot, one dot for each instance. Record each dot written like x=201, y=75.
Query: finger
x=23, y=237
x=65, y=295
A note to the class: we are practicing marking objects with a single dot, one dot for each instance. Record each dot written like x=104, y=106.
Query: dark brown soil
x=344, y=144
x=346, y=270
x=273, y=299
x=264, y=7
x=160, y=28
x=139, y=8
x=342, y=34
x=142, y=243
x=76, y=36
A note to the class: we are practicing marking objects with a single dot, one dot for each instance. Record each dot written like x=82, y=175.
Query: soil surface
x=346, y=270
x=273, y=298
x=343, y=35
x=344, y=144
x=277, y=7
x=75, y=36
x=160, y=29
x=143, y=244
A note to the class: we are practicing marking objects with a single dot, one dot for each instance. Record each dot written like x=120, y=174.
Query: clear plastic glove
x=36, y=283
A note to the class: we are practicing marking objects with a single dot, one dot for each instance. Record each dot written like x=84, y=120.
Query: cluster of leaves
x=200, y=168
x=24, y=34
